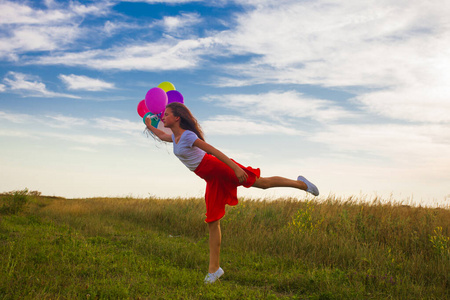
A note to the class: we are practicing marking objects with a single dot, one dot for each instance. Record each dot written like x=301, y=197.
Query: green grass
x=126, y=248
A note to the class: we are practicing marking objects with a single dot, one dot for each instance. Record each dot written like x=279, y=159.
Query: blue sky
x=354, y=95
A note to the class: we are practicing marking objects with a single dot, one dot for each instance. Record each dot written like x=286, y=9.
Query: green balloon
x=155, y=120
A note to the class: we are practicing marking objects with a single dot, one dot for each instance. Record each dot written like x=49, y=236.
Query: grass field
x=127, y=248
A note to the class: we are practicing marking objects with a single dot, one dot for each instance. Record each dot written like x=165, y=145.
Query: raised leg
x=277, y=181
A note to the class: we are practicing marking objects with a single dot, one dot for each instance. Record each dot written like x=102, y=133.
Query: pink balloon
x=156, y=100
x=174, y=96
x=142, y=108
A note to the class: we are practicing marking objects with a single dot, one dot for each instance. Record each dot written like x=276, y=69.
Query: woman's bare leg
x=276, y=181
x=215, y=238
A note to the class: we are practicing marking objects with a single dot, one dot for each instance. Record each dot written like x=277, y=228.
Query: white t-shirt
x=189, y=155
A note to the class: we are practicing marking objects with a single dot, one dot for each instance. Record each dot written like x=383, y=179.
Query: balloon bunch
x=156, y=100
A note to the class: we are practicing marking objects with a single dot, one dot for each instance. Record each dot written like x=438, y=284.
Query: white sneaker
x=311, y=187
x=212, y=277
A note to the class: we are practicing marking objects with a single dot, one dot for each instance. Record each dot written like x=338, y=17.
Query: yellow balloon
x=166, y=86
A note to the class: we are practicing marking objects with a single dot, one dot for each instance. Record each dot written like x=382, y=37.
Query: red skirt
x=221, y=185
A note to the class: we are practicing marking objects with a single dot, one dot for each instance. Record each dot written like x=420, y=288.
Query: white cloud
x=387, y=45
x=31, y=86
x=26, y=28
x=396, y=144
x=112, y=27
x=182, y=22
x=64, y=122
x=97, y=8
x=411, y=159
x=15, y=133
x=165, y=1
x=276, y=105
x=12, y=12
x=78, y=82
x=402, y=52
x=54, y=121
x=313, y=36
x=61, y=121
x=31, y=38
x=233, y=125
x=13, y=117
x=19, y=13
x=86, y=139
x=415, y=103
x=2, y=87
x=168, y=54
x=397, y=49
x=120, y=125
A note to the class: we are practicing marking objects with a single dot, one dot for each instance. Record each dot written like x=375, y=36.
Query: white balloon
x=161, y=127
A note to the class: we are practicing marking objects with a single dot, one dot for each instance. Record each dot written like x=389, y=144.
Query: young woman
x=222, y=174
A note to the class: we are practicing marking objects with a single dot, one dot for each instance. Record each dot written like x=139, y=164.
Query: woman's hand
x=159, y=133
x=241, y=174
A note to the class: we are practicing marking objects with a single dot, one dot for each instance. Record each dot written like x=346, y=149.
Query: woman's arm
x=240, y=173
x=159, y=133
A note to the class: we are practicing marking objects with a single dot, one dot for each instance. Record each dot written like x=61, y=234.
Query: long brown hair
x=187, y=119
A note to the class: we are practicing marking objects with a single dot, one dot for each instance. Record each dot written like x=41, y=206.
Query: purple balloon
x=156, y=100
x=174, y=96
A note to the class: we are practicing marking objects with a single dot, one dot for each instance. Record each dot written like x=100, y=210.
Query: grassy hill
x=127, y=248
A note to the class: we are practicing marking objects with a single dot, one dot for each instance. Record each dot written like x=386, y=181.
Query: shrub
x=13, y=202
